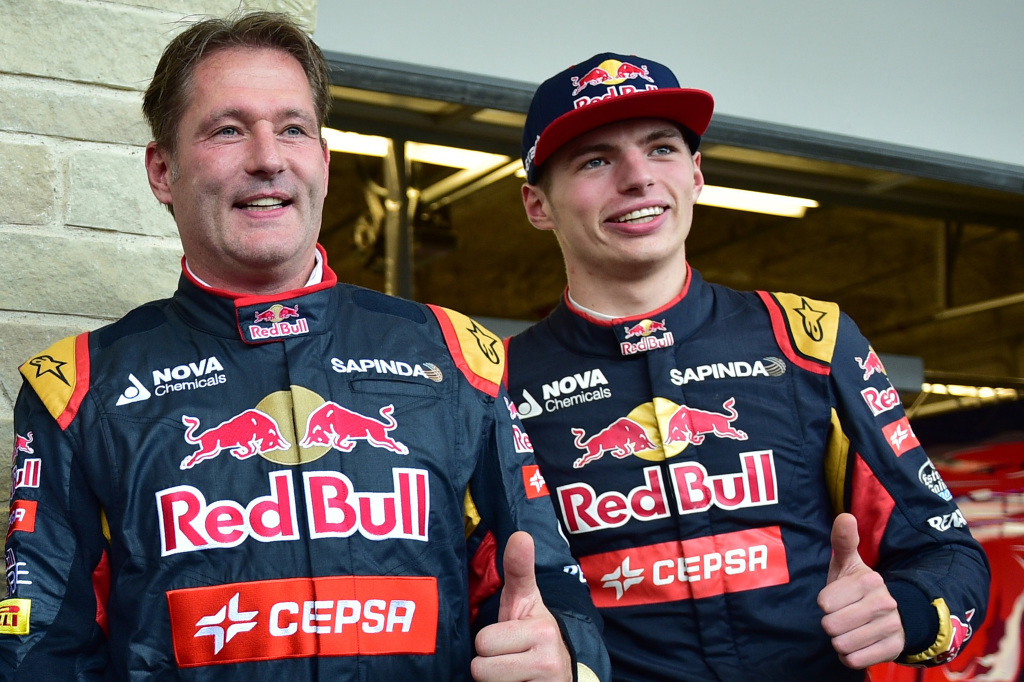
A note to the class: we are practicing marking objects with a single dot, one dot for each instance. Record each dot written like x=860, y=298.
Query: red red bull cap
x=604, y=89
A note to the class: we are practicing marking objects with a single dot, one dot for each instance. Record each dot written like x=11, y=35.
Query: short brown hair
x=168, y=93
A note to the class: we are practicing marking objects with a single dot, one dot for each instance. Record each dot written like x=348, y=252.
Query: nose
x=265, y=156
x=634, y=171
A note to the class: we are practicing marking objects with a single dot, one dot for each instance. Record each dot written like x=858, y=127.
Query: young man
x=733, y=470
x=268, y=475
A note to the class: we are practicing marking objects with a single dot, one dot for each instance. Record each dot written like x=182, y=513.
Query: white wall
x=940, y=75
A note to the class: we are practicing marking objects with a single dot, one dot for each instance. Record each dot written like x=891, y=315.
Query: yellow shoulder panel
x=813, y=324
x=60, y=376
x=478, y=353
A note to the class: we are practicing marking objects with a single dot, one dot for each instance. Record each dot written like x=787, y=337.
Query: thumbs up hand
x=860, y=614
x=525, y=643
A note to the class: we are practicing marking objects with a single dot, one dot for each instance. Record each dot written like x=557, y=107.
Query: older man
x=269, y=475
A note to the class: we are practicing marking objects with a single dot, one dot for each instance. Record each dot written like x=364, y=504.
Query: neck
x=626, y=297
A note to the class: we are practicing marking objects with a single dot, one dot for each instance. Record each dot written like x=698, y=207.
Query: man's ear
x=698, y=176
x=538, y=210
x=158, y=168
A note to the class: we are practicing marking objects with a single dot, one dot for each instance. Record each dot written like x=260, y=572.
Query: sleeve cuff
x=919, y=617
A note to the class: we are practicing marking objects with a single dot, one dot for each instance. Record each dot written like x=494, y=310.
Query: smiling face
x=620, y=200
x=248, y=177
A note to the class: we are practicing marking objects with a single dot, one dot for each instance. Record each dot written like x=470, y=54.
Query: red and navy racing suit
x=223, y=487
x=697, y=456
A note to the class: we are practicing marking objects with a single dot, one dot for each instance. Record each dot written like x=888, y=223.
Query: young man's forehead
x=606, y=137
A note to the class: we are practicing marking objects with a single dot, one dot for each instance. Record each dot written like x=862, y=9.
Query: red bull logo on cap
x=610, y=72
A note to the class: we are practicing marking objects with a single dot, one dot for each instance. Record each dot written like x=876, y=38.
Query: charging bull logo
x=340, y=428
x=250, y=433
x=277, y=313
x=612, y=72
x=621, y=439
x=22, y=444
x=871, y=364
x=691, y=425
x=962, y=632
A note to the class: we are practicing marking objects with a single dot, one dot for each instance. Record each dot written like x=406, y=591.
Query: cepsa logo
x=304, y=617
x=701, y=567
x=334, y=509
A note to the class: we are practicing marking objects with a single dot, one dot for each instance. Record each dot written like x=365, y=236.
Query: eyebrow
x=668, y=132
x=235, y=113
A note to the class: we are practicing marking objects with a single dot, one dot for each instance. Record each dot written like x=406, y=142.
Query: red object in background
x=988, y=484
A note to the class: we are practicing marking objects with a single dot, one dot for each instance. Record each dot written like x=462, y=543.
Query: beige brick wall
x=82, y=240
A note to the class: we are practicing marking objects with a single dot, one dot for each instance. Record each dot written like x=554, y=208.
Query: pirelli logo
x=14, y=616
x=304, y=617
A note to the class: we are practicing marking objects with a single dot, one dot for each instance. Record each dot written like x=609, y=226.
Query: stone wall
x=82, y=239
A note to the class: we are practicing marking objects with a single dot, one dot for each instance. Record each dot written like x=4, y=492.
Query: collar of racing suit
x=256, y=319
x=672, y=323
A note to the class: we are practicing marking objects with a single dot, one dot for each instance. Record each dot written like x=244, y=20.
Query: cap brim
x=688, y=107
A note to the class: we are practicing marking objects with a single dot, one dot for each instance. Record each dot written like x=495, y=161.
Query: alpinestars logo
x=213, y=626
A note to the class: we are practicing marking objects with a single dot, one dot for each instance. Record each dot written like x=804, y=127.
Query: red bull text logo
x=871, y=364
x=702, y=567
x=880, y=401
x=277, y=315
x=693, y=489
x=334, y=508
x=644, y=330
x=304, y=617
x=611, y=72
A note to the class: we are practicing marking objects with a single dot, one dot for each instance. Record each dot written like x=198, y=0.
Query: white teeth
x=264, y=203
x=641, y=215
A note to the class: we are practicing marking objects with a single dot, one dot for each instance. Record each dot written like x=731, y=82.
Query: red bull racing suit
x=222, y=487
x=697, y=456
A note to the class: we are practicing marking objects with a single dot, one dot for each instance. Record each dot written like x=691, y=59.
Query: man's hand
x=525, y=643
x=860, y=614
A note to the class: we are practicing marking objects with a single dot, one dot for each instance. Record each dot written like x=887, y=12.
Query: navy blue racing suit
x=697, y=456
x=224, y=487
